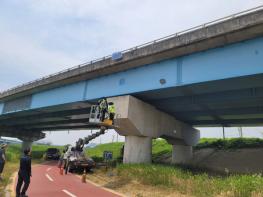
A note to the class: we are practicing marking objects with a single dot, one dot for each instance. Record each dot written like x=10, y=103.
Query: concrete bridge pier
x=27, y=140
x=26, y=143
x=182, y=154
x=137, y=149
x=140, y=122
x=182, y=149
x=26, y=137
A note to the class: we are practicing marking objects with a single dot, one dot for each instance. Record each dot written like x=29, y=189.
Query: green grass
x=161, y=147
x=230, y=143
x=174, y=177
x=186, y=182
x=97, y=152
x=13, y=152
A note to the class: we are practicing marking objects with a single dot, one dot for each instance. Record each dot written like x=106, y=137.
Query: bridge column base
x=27, y=140
x=137, y=149
x=182, y=154
x=26, y=144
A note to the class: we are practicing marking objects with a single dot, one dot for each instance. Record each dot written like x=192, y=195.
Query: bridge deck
x=235, y=28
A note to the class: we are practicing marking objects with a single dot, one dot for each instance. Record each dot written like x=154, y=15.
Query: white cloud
x=124, y=24
x=23, y=60
x=55, y=34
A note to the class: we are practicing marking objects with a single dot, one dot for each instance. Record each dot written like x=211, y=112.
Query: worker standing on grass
x=24, y=174
x=111, y=110
x=2, y=159
x=103, y=106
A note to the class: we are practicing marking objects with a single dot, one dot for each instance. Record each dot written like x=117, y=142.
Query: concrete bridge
x=210, y=75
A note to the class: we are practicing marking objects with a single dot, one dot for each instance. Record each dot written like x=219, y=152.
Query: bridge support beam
x=137, y=149
x=27, y=141
x=182, y=154
x=137, y=119
x=26, y=144
x=27, y=137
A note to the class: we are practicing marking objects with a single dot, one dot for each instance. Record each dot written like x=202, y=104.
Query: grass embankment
x=161, y=147
x=186, y=182
x=13, y=153
x=192, y=184
x=97, y=152
x=230, y=143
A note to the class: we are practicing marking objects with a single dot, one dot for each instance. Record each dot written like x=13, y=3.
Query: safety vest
x=111, y=109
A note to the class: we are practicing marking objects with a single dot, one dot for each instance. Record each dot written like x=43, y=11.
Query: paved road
x=47, y=182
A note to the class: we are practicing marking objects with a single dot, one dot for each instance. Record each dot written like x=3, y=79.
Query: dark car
x=52, y=153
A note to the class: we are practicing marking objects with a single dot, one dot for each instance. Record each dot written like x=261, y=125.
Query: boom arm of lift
x=86, y=140
x=94, y=118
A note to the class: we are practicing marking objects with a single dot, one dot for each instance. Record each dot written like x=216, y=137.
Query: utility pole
x=224, y=137
x=240, y=131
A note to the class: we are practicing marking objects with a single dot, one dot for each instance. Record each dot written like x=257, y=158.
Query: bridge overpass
x=210, y=75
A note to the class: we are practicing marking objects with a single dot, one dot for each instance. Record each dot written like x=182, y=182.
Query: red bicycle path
x=47, y=182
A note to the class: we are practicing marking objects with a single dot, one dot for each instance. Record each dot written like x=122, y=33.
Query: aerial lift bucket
x=107, y=122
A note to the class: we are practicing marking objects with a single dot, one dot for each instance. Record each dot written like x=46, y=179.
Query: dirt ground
x=129, y=188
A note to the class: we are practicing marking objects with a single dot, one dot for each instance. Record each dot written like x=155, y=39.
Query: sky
x=38, y=38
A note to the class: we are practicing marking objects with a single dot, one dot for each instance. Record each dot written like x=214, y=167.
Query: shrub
x=230, y=143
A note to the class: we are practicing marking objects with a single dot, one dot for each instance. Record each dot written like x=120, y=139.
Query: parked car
x=52, y=153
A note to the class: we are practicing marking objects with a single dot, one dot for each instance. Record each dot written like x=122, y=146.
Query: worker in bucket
x=111, y=110
x=103, y=106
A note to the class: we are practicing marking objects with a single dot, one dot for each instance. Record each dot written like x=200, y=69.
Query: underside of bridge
x=217, y=103
x=229, y=102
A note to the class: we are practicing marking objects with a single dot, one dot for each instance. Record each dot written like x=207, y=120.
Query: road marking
x=68, y=193
x=49, y=178
x=49, y=169
x=101, y=187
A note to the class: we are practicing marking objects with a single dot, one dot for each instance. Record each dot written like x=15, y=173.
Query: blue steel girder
x=243, y=60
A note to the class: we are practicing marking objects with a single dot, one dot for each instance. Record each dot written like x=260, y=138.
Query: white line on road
x=68, y=193
x=49, y=178
x=48, y=169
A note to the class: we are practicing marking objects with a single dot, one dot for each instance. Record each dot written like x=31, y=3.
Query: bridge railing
x=141, y=46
